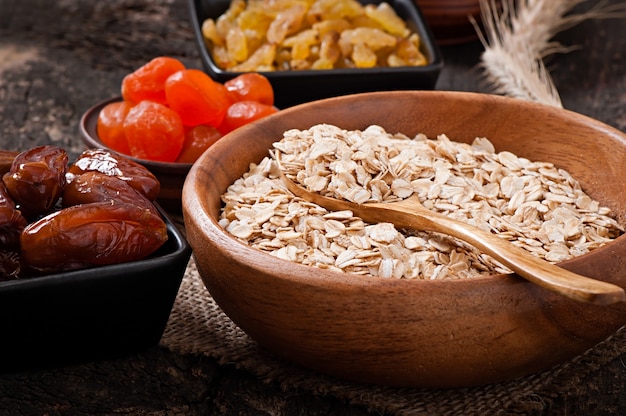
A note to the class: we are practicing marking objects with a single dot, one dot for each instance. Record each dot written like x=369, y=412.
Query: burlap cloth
x=198, y=326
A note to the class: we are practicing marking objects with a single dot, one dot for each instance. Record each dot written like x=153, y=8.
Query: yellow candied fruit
x=386, y=16
x=334, y=9
x=286, y=23
x=329, y=51
x=221, y=57
x=255, y=20
x=306, y=37
x=322, y=63
x=363, y=56
x=409, y=50
x=237, y=45
x=374, y=38
x=260, y=60
x=210, y=33
x=234, y=10
x=332, y=25
x=276, y=35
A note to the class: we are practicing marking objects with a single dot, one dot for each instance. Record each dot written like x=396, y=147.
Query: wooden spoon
x=411, y=214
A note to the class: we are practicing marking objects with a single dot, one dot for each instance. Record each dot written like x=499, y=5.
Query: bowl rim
x=299, y=273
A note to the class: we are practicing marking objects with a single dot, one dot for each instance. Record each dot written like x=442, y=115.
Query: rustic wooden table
x=59, y=58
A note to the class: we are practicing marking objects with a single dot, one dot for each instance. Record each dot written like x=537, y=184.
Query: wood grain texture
x=436, y=333
x=449, y=20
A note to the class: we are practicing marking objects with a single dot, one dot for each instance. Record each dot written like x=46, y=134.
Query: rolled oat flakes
x=534, y=205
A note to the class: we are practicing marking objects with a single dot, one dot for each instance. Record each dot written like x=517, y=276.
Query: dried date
x=6, y=160
x=97, y=211
x=100, y=160
x=12, y=222
x=36, y=179
x=88, y=235
x=94, y=186
x=10, y=265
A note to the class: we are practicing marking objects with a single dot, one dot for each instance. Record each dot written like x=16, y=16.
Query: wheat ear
x=518, y=37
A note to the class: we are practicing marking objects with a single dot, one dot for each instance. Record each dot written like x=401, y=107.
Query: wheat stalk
x=518, y=37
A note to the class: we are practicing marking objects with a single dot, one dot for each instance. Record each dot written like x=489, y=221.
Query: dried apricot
x=251, y=86
x=148, y=81
x=197, y=140
x=110, y=126
x=196, y=97
x=161, y=129
x=154, y=132
x=244, y=112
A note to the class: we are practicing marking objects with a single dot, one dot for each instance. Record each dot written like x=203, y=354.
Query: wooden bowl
x=449, y=20
x=413, y=332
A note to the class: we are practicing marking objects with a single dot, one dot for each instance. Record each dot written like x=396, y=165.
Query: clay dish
x=413, y=332
x=450, y=20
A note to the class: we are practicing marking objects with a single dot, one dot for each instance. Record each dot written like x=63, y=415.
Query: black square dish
x=93, y=313
x=293, y=87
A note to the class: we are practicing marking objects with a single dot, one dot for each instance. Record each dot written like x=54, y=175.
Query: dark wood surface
x=59, y=58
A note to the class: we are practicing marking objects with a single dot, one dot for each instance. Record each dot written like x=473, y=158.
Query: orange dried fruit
x=197, y=140
x=148, y=81
x=154, y=132
x=244, y=112
x=251, y=86
x=110, y=126
x=196, y=97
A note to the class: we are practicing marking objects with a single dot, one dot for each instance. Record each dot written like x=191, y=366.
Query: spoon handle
x=523, y=263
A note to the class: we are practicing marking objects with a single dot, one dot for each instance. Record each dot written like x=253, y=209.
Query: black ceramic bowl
x=295, y=87
x=93, y=313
